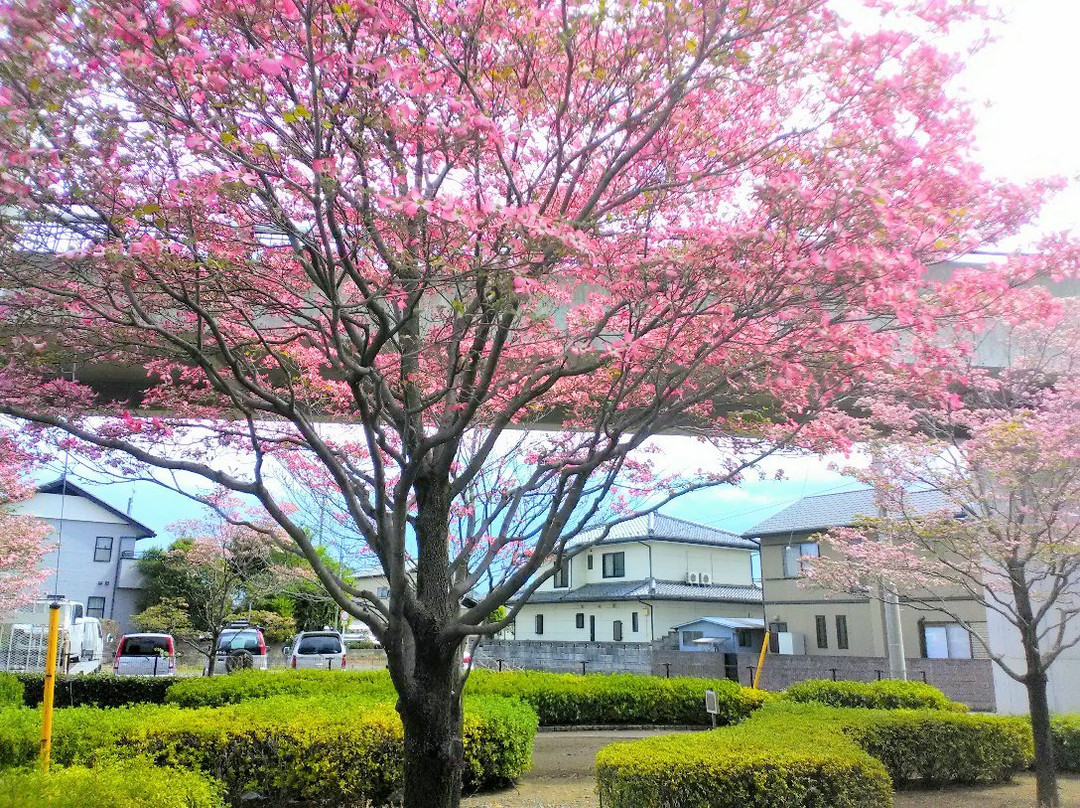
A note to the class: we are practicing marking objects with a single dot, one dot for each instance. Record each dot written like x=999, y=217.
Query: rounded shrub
x=334, y=751
x=1066, y=733
x=130, y=784
x=765, y=766
x=884, y=695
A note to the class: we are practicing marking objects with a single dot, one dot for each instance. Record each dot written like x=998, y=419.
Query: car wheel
x=239, y=660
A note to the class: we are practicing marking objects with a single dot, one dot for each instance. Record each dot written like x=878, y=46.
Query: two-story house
x=645, y=577
x=817, y=622
x=93, y=560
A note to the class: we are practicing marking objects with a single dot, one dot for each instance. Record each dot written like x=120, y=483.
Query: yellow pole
x=761, y=659
x=50, y=682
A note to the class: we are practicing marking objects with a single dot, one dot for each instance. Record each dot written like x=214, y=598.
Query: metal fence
x=23, y=647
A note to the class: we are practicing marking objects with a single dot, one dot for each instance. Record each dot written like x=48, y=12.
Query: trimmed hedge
x=96, y=690
x=884, y=695
x=761, y=763
x=11, y=690
x=131, y=784
x=1066, y=732
x=558, y=698
x=321, y=752
x=217, y=691
x=810, y=756
x=569, y=699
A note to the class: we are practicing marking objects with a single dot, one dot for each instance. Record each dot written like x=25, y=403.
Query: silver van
x=316, y=650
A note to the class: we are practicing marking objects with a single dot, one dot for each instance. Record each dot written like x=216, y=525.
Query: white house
x=93, y=560
x=645, y=577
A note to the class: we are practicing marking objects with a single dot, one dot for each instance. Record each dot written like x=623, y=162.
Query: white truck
x=24, y=638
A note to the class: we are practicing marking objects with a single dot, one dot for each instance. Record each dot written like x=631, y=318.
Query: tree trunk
x=432, y=719
x=1046, y=787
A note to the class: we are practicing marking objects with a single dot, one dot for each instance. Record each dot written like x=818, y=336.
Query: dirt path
x=562, y=777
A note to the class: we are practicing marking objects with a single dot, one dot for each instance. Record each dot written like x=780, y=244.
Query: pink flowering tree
x=23, y=539
x=1006, y=464
x=218, y=569
x=442, y=223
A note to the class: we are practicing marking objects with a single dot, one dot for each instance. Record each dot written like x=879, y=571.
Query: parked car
x=145, y=655
x=324, y=650
x=240, y=646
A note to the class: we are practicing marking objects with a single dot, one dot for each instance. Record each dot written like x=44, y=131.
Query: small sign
x=711, y=706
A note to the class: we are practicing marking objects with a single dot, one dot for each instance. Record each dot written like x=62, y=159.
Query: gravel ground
x=562, y=777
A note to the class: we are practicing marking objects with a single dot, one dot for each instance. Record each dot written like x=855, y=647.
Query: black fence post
x=833, y=673
x=924, y=678
x=500, y=664
x=583, y=667
x=667, y=670
x=751, y=668
x=878, y=672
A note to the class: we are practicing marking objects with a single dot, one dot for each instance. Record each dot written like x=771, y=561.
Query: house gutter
x=652, y=588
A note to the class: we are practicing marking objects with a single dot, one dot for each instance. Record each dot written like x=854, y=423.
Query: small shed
x=725, y=634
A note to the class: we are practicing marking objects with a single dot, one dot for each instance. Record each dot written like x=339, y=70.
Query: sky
x=1023, y=87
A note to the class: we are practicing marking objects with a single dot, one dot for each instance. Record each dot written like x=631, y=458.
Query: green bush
x=557, y=698
x=341, y=750
x=216, y=691
x=1066, y=732
x=96, y=690
x=11, y=690
x=884, y=695
x=131, y=784
x=805, y=755
x=928, y=748
x=570, y=699
x=765, y=764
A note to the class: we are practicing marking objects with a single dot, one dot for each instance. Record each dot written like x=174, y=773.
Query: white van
x=316, y=650
x=145, y=655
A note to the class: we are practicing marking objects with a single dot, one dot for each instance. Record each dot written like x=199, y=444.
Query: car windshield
x=144, y=646
x=247, y=639
x=319, y=644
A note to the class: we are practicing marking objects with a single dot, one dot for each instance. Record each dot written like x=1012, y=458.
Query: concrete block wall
x=966, y=680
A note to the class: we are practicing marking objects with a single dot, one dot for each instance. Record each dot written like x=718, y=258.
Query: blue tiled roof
x=838, y=510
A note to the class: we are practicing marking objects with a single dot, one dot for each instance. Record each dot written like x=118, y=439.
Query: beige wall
x=797, y=604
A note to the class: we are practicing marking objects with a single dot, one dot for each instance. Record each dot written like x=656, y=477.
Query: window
x=755, y=567
x=946, y=641
x=841, y=631
x=579, y=620
x=383, y=592
x=319, y=644
x=588, y=561
x=821, y=625
x=561, y=579
x=614, y=565
x=616, y=631
x=634, y=622
x=743, y=637
x=793, y=566
x=539, y=624
x=95, y=607
x=103, y=548
x=688, y=637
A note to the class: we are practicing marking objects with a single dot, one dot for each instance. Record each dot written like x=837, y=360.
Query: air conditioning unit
x=693, y=578
x=706, y=579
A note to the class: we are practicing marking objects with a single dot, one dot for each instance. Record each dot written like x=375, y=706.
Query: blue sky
x=734, y=507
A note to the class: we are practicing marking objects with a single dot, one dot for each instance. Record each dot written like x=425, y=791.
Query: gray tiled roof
x=654, y=590
x=838, y=510
x=658, y=527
